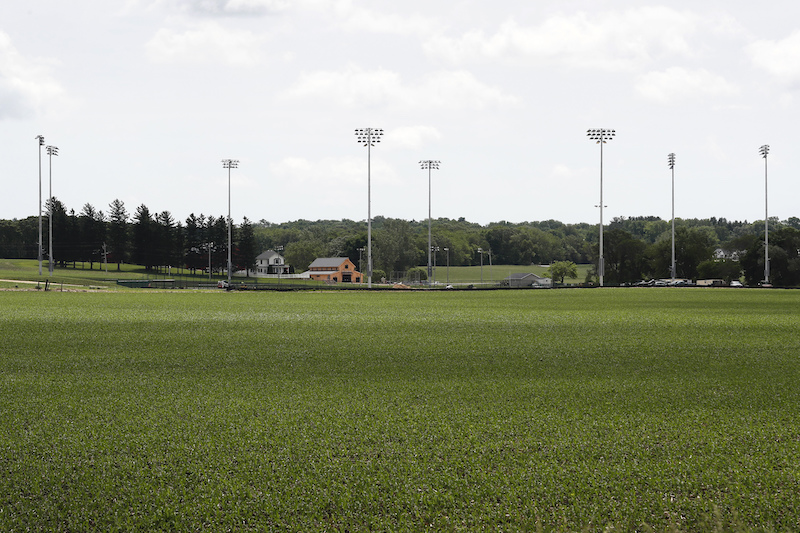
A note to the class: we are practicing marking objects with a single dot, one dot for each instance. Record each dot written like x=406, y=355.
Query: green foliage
x=562, y=269
x=720, y=269
x=693, y=245
x=625, y=257
x=417, y=274
x=635, y=247
x=784, y=253
x=377, y=275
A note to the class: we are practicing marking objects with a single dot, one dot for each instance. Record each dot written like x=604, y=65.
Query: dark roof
x=327, y=262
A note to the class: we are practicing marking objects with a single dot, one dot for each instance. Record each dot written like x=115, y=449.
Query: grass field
x=650, y=409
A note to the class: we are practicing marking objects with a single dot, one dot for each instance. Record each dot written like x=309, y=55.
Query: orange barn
x=334, y=269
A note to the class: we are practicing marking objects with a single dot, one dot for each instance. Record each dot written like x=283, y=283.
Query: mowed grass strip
x=667, y=409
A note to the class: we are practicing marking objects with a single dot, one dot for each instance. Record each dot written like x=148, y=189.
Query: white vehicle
x=736, y=283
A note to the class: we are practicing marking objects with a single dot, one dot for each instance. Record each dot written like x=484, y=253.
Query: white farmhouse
x=271, y=262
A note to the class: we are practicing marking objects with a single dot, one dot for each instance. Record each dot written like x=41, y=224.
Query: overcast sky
x=144, y=99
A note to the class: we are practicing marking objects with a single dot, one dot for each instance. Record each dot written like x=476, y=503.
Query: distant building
x=334, y=269
x=271, y=262
x=523, y=281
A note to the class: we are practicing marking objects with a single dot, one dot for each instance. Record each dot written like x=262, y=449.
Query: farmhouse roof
x=268, y=255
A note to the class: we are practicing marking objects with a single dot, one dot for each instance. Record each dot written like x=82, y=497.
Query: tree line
x=635, y=248
x=155, y=241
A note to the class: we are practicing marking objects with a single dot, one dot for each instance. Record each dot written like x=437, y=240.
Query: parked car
x=223, y=284
x=736, y=283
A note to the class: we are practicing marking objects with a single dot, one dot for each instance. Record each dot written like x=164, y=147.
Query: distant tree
x=417, y=274
x=118, y=231
x=92, y=234
x=693, y=245
x=726, y=269
x=165, y=238
x=562, y=269
x=394, y=247
x=378, y=275
x=624, y=257
x=300, y=254
x=194, y=244
x=246, y=252
x=784, y=261
x=143, y=237
x=217, y=236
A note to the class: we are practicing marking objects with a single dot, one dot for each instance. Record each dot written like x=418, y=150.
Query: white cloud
x=355, y=86
x=218, y=7
x=412, y=136
x=779, y=58
x=206, y=42
x=358, y=19
x=612, y=41
x=680, y=84
x=26, y=86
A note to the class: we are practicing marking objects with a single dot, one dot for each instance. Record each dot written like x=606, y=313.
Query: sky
x=145, y=98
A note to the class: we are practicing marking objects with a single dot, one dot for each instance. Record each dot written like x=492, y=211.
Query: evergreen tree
x=118, y=231
x=246, y=251
x=143, y=233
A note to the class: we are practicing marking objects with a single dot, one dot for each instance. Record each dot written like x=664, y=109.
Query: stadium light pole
x=764, y=150
x=369, y=137
x=480, y=251
x=229, y=164
x=601, y=136
x=671, y=160
x=41, y=143
x=360, y=266
x=435, y=250
x=447, y=251
x=429, y=164
x=51, y=151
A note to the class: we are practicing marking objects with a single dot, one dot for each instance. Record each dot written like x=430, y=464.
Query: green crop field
x=598, y=409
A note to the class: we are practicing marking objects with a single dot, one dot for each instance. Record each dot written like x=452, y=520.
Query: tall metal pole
x=39, y=253
x=367, y=137
x=601, y=136
x=671, y=160
x=480, y=251
x=435, y=250
x=447, y=250
x=51, y=151
x=429, y=165
x=764, y=150
x=229, y=164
